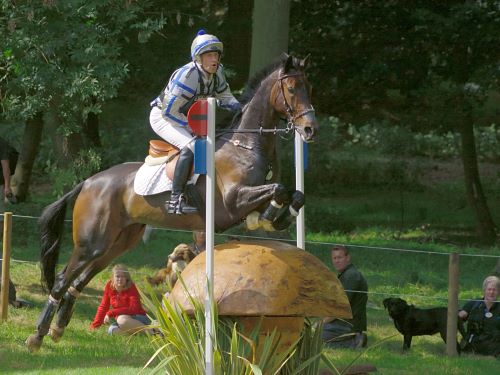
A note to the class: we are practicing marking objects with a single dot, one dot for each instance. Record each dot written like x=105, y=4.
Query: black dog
x=411, y=321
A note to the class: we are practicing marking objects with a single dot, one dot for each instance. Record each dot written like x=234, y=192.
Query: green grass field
x=419, y=277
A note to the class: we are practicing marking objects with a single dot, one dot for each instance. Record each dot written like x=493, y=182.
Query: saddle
x=158, y=149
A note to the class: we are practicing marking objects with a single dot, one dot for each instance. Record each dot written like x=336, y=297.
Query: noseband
x=290, y=112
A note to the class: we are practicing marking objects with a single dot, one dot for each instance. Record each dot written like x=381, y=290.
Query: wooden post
x=451, y=332
x=7, y=230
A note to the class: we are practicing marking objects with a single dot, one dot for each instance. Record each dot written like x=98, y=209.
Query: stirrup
x=184, y=208
x=177, y=205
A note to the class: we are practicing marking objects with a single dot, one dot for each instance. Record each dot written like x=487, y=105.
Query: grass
x=419, y=277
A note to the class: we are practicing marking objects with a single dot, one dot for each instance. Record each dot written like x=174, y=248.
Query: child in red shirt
x=122, y=296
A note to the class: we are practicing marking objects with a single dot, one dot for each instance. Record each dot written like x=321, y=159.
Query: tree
x=269, y=32
x=422, y=65
x=237, y=38
x=62, y=59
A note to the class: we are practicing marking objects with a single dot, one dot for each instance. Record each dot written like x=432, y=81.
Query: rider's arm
x=223, y=93
x=180, y=89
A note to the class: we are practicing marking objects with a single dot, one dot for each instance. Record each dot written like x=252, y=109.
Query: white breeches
x=177, y=135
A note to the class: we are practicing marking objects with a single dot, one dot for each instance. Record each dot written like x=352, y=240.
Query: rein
x=290, y=127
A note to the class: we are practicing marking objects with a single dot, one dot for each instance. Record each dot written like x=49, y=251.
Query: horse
x=109, y=217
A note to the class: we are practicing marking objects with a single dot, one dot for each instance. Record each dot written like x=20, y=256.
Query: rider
x=202, y=77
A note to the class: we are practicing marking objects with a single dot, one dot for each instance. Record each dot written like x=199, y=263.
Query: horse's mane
x=254, y=83
x=252, y=86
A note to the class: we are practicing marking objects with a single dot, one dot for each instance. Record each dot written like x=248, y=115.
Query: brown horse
x=109, y=218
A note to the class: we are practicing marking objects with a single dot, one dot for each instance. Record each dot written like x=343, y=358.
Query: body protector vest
x=188, y=84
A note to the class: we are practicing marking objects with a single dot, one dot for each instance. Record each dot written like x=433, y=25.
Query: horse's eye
x=291, y=90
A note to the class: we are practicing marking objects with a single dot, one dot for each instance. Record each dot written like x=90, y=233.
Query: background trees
x=422, y=66
x=400, y=66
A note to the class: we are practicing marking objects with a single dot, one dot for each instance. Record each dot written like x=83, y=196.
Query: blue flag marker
x=200, y=156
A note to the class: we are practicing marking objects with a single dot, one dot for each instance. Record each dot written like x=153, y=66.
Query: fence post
x=7, y=230
x=451, y=331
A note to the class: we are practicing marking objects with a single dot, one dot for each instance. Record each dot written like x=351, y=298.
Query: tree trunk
x=486, y=230
x=91, y=130
x=269, y=32
x=238, y=42
x=66, y=148
x=475, y=196
x=31, y=142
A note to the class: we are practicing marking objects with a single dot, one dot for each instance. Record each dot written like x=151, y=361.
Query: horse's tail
x=51, y=225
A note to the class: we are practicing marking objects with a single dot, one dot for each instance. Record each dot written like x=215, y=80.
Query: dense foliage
x=402, y=61
x=399, y=78
x=63, y=54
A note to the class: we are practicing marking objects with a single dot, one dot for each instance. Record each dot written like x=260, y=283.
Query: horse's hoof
x=252, y=220
x=34, y=342
x=56, y=333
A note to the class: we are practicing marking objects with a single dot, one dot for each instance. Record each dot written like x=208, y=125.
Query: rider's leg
x=177, y=203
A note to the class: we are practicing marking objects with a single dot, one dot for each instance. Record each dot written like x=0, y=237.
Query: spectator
x=483, y=320
x=6, y=152
x=12, y=293
x=199, y=241
x=339, y=333
x=121, y=306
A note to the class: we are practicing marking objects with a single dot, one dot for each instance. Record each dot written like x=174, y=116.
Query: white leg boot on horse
x=177, y=203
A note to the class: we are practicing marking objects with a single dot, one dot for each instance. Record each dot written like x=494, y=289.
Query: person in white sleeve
x=202, y=77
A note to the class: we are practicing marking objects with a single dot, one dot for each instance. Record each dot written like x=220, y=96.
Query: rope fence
x=350, y=245
x=320, y=243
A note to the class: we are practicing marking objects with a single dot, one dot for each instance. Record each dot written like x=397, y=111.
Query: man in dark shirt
x=349, y=333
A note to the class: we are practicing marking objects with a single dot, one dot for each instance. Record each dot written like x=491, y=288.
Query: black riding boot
x=177, y=203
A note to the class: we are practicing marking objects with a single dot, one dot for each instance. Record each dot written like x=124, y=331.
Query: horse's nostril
x=309, y=131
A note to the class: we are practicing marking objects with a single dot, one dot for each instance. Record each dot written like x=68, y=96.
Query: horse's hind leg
x=128, y=239
x=83, y=255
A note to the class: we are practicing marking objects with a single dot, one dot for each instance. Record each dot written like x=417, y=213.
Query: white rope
x=408, y=295
x=316, y=242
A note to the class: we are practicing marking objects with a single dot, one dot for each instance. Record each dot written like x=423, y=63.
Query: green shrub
x=181, y=348
x=85, y=165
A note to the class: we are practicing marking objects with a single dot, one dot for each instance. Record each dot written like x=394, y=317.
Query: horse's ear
x=304, y=62
x=288, y=64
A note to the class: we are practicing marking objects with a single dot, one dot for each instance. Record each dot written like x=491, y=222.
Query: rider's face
x=210, y=62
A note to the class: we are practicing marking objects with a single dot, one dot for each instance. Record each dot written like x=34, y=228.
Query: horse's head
x=291, y=97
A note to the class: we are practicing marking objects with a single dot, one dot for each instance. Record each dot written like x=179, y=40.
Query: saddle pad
x=152, y=179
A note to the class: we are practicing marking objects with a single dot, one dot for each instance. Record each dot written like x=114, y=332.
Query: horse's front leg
x=246, y=200
x=287, y=216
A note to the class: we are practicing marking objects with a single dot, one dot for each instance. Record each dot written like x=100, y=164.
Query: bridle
x=290, y=112
x=291, y=116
